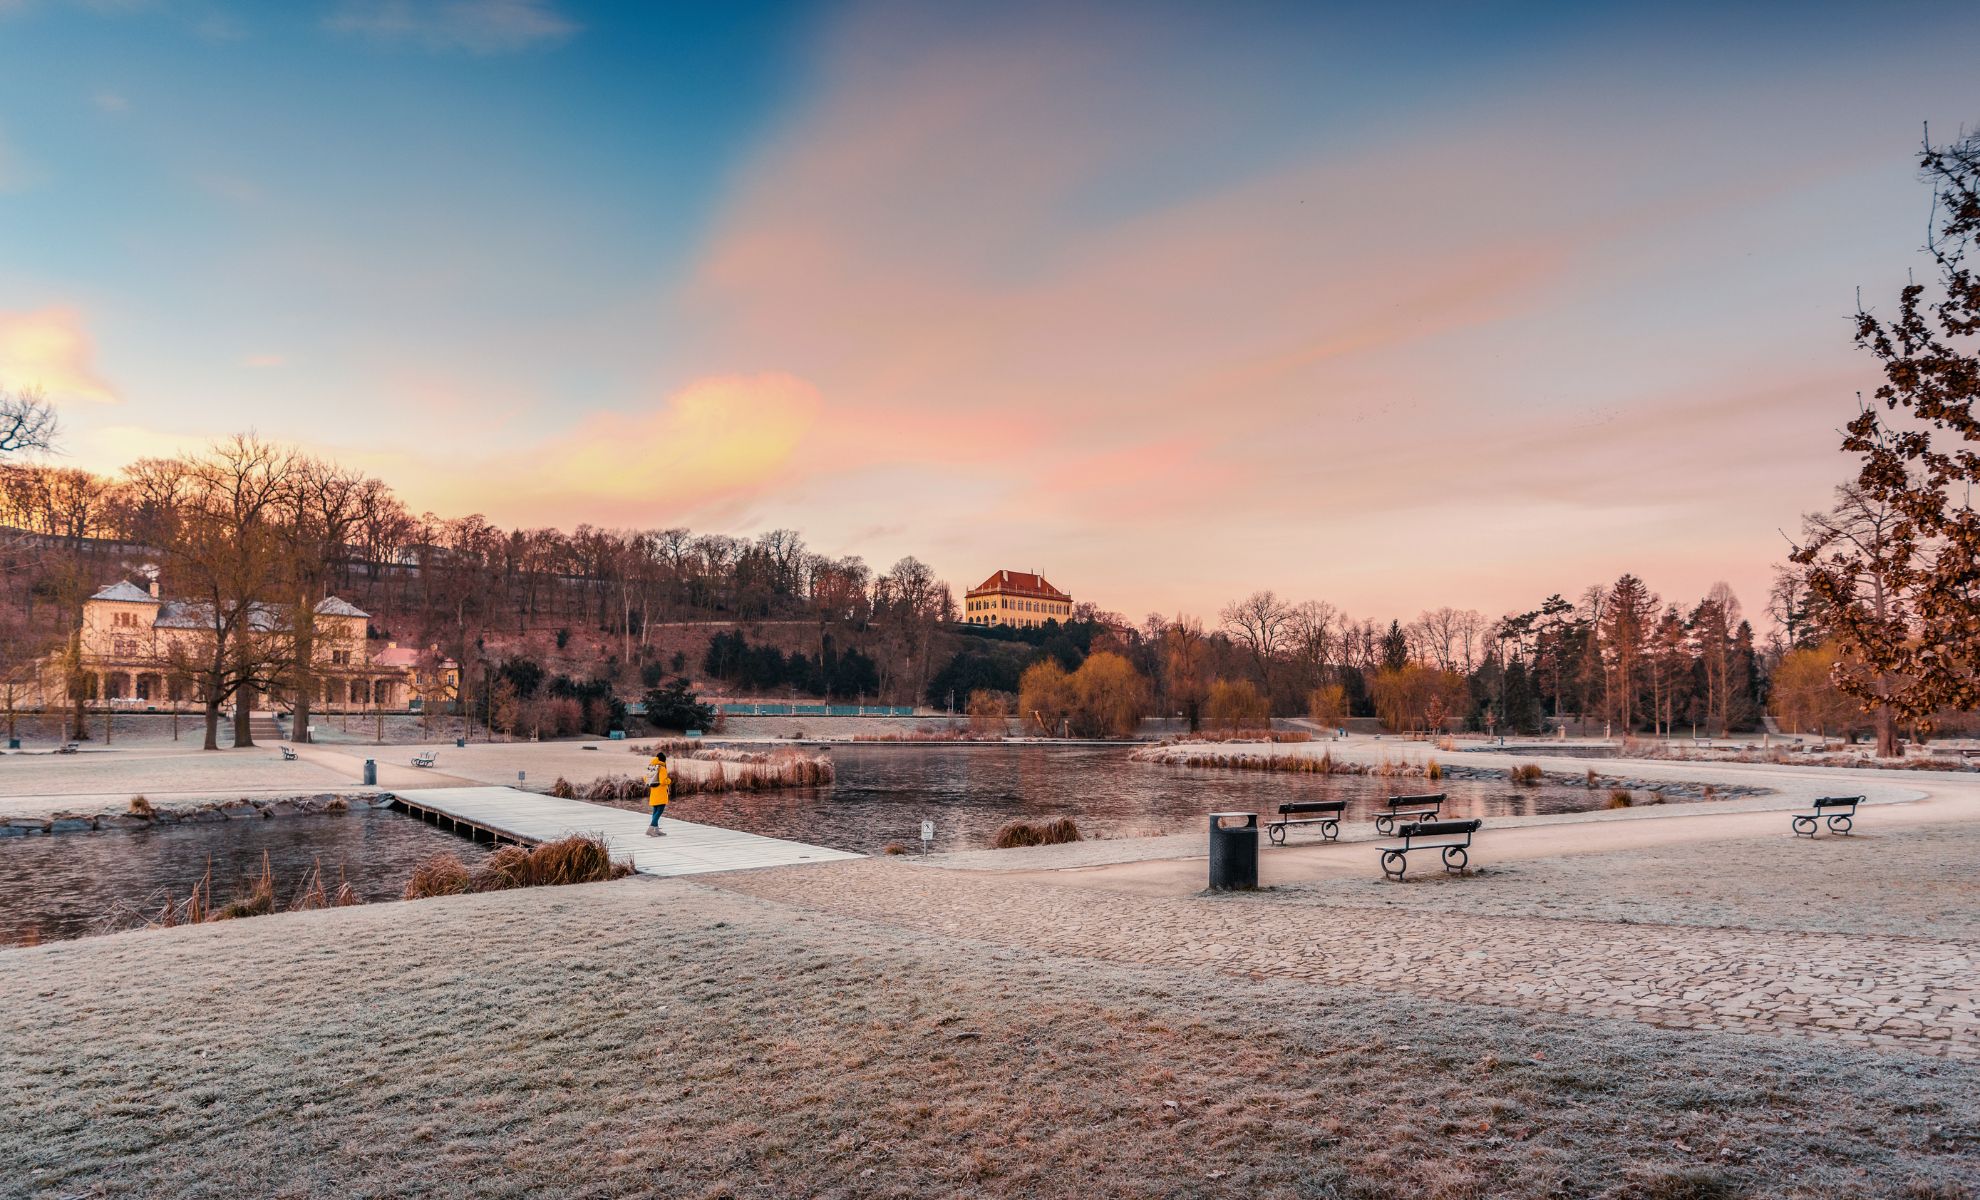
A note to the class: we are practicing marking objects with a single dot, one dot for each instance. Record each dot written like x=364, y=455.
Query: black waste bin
x=460, y=743
x=1233, y=852
x=371, y=772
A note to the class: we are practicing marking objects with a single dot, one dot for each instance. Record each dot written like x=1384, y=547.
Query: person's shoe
x=658, y=832
x=652, y=831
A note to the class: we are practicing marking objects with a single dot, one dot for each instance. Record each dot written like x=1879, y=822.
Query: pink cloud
x=50, y=348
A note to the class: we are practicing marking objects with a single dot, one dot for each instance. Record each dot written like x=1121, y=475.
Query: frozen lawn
x=661, y=1037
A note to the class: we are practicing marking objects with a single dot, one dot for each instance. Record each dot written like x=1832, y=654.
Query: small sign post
x=927, y=835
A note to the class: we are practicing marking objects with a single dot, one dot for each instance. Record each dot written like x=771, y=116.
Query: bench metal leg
x=1330, y=830
x=1455, y=858
x=1839, y=824
x=1276, y=834
x=1385, y=825
x=1394, y=863
x=1804, y=826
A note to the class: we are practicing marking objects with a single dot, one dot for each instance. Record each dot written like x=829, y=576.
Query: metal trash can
x=1233, y=852
x=460, y=743
x=371, y=772
x=13, y=743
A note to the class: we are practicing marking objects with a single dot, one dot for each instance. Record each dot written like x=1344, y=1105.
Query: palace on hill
x=1016, y=598
x=135, y=650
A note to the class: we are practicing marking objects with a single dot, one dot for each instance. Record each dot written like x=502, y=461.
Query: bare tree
x=1262, y=624
x=27, y=421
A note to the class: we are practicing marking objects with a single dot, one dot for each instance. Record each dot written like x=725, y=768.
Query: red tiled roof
x=1021, y=583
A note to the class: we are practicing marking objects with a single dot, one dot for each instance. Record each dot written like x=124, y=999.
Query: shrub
x=1593, y=780
x=1433, y=770
x=580, y=858
x=440, y=875
x=893, y=848
x=1035, y=833
x=1526, y=775
x=141, y=807
x=1618, y=798
x=562, y=789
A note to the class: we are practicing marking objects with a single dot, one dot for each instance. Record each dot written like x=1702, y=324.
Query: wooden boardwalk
x=509, y=815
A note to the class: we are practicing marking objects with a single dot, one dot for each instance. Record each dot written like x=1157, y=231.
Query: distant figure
x=658, y=785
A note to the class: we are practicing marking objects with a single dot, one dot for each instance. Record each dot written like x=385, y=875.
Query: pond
x=76, y=884
x=885, y=791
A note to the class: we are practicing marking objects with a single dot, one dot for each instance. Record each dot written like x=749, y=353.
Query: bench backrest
x=1312, y=806
x=1838, y=802
x=1396, y=802
x=1440, y=828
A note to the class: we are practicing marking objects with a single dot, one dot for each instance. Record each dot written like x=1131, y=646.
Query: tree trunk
x=243, y=729
x=1887, y=740
x=305, y=678
x=212, y=721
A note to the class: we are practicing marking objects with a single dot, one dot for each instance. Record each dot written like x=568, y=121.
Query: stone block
x=71, y=825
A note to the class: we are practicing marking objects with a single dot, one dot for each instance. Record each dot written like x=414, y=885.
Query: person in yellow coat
x=658, y=785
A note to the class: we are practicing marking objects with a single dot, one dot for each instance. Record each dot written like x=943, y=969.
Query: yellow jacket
x=658, y=783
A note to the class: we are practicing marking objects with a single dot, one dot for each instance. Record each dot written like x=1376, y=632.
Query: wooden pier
x=503, y=814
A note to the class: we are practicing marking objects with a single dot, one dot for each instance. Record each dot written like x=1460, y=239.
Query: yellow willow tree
x=1235, y=704
x=1045, y=697
x=1109, y=696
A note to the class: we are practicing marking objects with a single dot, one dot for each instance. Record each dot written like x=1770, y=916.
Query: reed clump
x=893, y=848
x=1526, y=775
x=563, y=790
x=580, y=858
x=1618, y=798
x=141, y=807
x=257, y=901
x=1035, y=833
x=1433, y=770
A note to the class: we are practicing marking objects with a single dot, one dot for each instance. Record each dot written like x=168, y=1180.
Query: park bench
x=1967, y=756
x=1324, y=813
x=1453, y=838
x=288, y=754
x=424, y=758
x=1420, y=807
x=1836, y=811
x=70, y=748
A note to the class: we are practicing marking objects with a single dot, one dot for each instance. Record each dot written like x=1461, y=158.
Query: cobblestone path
x=1913, y=994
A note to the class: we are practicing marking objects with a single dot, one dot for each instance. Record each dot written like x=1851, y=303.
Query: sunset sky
x=1458, y=304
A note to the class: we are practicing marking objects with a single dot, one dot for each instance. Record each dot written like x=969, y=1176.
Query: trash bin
x=1233, y=852
x=460, y=743
x=371, y=772
x=13, y=743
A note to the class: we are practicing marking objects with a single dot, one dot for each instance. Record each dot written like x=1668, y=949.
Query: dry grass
x=893, y=848
x=580, y=858
x=1620, y=798
x=1526, y=775
x=1035, y=833
x=563, y=789
x=1187, y=754
x=605, y=1042
x=141, y=807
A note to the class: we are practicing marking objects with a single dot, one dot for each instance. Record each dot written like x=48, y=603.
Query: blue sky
x=1396, y=307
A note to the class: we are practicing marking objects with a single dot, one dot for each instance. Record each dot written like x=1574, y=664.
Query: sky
x=1391, y=306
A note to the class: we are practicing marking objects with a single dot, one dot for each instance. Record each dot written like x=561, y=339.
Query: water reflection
x=884, y=792
x=74, y=884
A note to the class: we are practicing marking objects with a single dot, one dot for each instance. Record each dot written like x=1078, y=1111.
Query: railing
x=815, y=710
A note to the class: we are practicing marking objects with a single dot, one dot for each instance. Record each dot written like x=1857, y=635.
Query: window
x=124, y=647
x=340, y=658
x=125, y=620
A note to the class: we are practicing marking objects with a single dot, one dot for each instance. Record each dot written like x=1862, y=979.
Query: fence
x=815, y=710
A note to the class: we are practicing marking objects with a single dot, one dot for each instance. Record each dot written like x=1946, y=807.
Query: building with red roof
x=1019, y=598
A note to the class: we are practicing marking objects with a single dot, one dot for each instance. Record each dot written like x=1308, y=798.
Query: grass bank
x=652, y=1037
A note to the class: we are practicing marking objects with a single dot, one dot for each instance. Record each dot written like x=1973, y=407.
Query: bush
x=1035, y=833
x=1526, y=775
x=562, y=789
x=1618, y=798
x=440, y=875
x=580, y=858
x=141, y=807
